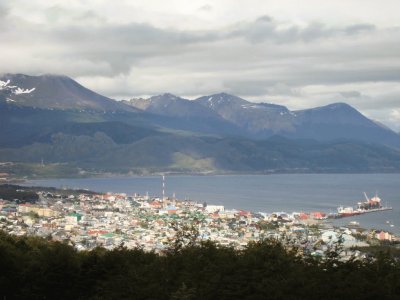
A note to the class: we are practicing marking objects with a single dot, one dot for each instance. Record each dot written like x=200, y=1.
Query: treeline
x=34, y=268
x=24, y=194
x=17, y=193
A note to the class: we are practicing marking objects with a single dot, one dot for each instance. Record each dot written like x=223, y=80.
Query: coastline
x=275, y=192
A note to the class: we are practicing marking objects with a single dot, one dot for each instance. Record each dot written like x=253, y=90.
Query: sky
x=300, y=54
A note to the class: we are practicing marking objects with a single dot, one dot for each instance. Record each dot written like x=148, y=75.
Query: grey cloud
x=206, y=8
x=382, y=102
x=264, y=19
x=253, y=88
x=351, y=94
x=54, y=13
x=123, y=46
x=359, y=28
x=282, y=89
x=388, y=116
x=266, y=28
x=246, y=87
x=356, y=75
x=4, y=11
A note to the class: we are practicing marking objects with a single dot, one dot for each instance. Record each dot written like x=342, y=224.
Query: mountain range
x=263, y=120
x=55, y=119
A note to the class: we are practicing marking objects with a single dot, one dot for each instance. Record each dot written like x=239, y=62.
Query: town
x=110, y=220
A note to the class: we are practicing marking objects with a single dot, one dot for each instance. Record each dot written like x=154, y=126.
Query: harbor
x=155, y=223
x=369, y=206
x=270, y=193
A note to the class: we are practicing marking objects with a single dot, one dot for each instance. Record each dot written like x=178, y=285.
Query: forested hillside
x=33, y=268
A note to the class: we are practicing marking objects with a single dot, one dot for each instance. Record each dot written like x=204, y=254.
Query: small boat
x=347, y=211
x=354, y=223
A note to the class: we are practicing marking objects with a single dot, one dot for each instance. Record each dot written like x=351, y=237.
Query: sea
x=264, y=193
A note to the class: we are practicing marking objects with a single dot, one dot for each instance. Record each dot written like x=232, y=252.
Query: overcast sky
x=301, y=54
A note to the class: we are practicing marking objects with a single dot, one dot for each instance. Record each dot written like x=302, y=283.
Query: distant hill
x=180, y=113
x=260, y=120
x=341, y=121
x=101, y=151
x=331, y=122
x=23, y=125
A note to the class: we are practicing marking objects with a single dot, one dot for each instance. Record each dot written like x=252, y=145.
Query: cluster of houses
x=156, y=224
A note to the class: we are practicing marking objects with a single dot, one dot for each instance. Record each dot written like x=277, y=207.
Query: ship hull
x=361, y=212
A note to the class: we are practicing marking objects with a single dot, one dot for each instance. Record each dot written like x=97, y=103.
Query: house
x=4, y=176
x=155, y=204
x=383, y=236
x=317, y=215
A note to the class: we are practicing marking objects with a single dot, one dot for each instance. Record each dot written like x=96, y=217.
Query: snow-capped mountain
x=53, y=91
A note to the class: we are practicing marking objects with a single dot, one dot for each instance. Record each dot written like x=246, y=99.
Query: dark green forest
x=34, y=268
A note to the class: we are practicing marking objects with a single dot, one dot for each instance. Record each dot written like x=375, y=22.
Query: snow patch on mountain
x=19, y=91
x=16, y=90
x=3, y=84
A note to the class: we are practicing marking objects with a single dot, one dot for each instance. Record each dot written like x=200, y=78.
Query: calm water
x=267, y=193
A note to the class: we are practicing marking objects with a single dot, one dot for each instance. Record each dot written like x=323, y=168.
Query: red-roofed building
x=317, y=215
x=244, y=213
x=303, y=216
x=155, y=204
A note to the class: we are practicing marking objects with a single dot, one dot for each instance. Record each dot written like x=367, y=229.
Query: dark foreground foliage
x=33, y=268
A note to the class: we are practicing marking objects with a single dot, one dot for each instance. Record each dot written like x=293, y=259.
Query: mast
x=366, y=197
x=163, y=188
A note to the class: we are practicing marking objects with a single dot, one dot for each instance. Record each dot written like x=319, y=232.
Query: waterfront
x=267, y=193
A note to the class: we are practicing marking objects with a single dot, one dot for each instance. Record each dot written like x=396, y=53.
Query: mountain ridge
x=216, y=133
x=221, y=114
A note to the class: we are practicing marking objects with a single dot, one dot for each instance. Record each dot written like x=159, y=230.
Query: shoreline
x=159, y=174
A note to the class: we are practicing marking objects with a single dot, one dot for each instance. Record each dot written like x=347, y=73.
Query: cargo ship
x=370, y=205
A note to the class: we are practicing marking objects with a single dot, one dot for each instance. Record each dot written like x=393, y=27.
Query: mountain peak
x=166, y=97
x=220, y=99
x=169, y=95
x=226, y=97
x=338, y=106
x=55, y=91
